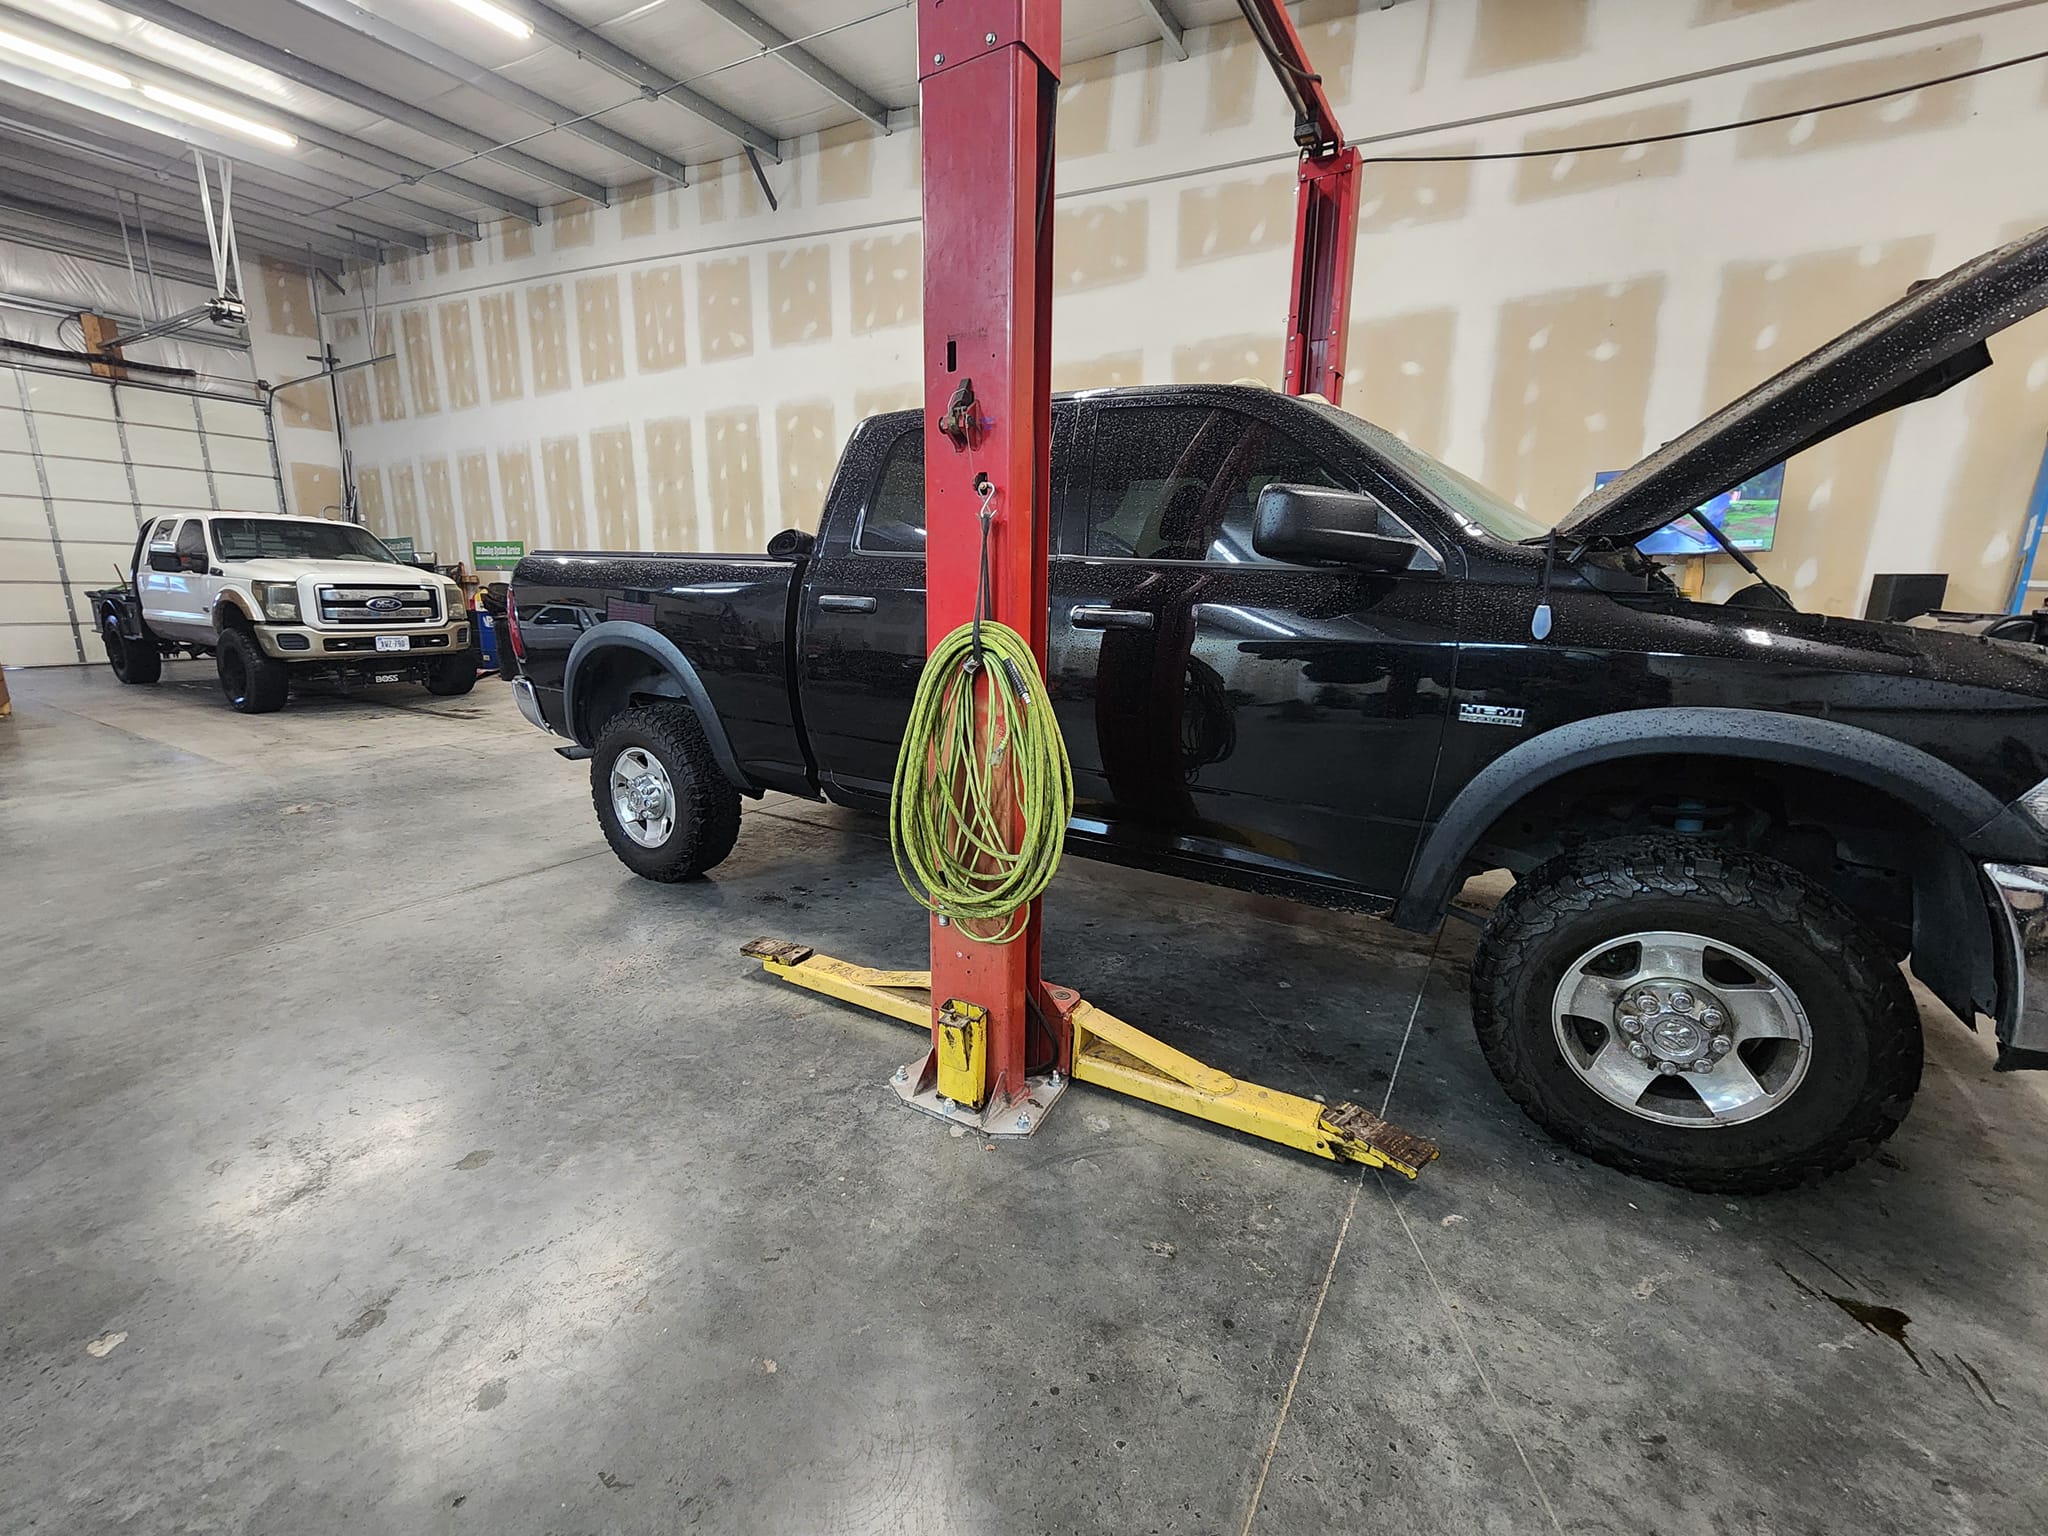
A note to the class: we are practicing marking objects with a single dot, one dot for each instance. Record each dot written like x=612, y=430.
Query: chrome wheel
x=642, y=797
x=1680, y=1029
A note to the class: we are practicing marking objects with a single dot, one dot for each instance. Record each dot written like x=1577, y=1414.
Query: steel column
x=988, y=76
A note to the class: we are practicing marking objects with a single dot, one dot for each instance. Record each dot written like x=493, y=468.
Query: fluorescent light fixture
x=497, y=16
x=232, y=121
x=84, y=69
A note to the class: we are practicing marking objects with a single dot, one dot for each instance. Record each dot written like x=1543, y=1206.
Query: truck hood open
x=1915, y=348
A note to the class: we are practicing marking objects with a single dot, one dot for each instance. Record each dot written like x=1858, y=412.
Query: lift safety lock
x=962, y=1051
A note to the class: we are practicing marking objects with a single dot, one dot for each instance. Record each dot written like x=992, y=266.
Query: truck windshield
x=279, y=538
x=1466, y=499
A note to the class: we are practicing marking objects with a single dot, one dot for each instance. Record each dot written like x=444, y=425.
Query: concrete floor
x=377, y=1154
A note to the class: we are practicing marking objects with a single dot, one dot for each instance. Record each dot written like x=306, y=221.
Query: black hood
x=1930, y=339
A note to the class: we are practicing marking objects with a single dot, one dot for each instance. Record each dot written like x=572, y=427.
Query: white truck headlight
x=453, y=604
x=280, y=600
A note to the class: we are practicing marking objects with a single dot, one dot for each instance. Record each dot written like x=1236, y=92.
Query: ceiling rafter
x=800, y=59
x=182, y=242
x=1170, y=25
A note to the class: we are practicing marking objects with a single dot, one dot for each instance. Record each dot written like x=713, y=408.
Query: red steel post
x=988, y=75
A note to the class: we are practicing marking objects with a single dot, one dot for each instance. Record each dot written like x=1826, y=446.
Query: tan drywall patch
x=465, y=255
x=888, y=397
x=1151, y=87
x=355, y=397
x=711, y=192
x=458, y=354
x=498, y=314
x=1231, y=218
x=419, y=362
x=600, y=346
x=1329, y=33
x=1396, y=196
x=658, y=319
x=316, y=490
x=1397, y=373
x=887, y=274
x=1226, y=359
x=440, y=245
x=1770, y=315
x=288, y=296
x=307, y=405
x=1570, y=374
x=479, y=507
x=547, y=322
x=1509, y=34
x=561, y=470
x=390, y=387
x=439, y=530
x=725, y=308
x=1085, y=98
x=671, y=484
x=1235, y=67
x=518, y=508
x=611, y=488
x=636, y=213
x=515, y=239
x=1115, y=371
x=1706, y=12
x=732, y=462
x=370, y=496
x=846, y=162
x=404, y=504
x=799, y=295
x=1559, y=175
x=573, y=224
x=1100, y=244
x=1936, y=107
x=806, y=452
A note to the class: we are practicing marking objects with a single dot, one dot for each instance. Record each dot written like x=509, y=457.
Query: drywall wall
x=678, y=369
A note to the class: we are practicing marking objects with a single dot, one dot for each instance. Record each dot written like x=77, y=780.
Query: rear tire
x=133, y=661
x=452, y=676
x=1793, y=1044
x=252, y=683
x=666, y=809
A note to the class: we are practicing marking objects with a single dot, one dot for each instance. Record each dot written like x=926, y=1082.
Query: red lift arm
x=1325, y=212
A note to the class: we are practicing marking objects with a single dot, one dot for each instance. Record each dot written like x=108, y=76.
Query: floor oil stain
x=477, y=1158
x=1885, y=1322
x=489, y=1395
x=370, y=1317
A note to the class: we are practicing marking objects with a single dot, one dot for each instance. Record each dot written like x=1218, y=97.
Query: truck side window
x=1176, y=482
x=892, y=523
x=164, y=528
x=192, y=543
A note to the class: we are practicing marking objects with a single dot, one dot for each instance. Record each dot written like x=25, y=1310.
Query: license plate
x=394, y=642
x=387, y=677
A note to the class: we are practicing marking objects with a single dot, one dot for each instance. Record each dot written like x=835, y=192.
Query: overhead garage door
x=82, y=462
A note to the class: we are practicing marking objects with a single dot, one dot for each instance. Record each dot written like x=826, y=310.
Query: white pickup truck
x=283, y=601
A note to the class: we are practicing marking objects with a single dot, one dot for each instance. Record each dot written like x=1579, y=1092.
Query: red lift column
x=988, y=77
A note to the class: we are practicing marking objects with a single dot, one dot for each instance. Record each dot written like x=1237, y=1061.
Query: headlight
x=279, y=600
x=2035, y=803
x=453, y=604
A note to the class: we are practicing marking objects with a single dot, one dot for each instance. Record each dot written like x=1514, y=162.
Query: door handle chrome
x=1110, y=618
x=841, y=602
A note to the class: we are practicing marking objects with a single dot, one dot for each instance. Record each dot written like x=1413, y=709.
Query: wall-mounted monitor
x=1748, y=515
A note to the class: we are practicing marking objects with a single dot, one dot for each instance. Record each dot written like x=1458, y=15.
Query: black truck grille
x=378, y=605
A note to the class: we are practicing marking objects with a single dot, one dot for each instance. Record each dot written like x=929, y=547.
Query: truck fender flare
x=623, y=635
x=228, y=599
x=1956, y=804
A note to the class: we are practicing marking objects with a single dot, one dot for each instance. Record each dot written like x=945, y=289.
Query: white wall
x=679, y=369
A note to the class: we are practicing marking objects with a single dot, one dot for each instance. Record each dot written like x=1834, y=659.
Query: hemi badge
x=1490, y=714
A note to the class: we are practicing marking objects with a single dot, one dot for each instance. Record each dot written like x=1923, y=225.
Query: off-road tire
x=707, y=807
x=451, y=676
x=251, y=682
x=1866, y=1052
x=133, y=661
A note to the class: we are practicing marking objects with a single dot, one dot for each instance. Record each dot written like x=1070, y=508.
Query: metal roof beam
x=1169, y=25
x=259, y=238
x=801, y=59
x=362, y=150
x=329, y=83
x=110, y=229
x=366, y=24
x=567, y=32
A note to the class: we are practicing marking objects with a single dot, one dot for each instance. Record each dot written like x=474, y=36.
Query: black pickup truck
x=1292, y=654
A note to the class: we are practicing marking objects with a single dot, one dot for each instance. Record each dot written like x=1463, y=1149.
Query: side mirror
x=792, y=544
x=1314, y=525
x=164, y=560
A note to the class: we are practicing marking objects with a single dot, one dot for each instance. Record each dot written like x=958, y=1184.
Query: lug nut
x=1647, y=1001
x=1668, y=1068
x=1712, y=1018
x=1682, y=1001
x=1723, y=1044
x=1631, y=1026
x=1637, y=1049
x=1023, y=1122
x=902, y=1074
x=1703, y=1065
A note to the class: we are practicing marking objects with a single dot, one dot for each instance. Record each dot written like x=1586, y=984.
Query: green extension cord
x=949, y=824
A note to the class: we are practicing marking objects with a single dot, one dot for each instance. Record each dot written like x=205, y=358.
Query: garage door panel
x=24, y=517
x=96, y=563
x=95, y=522
x=35, y=602
x=13, y=431
x=240, y=455
x=87, y=480
x=230, y=419
x=58, y=395
x=29, y=560
x=246, y=493
x=167, y=446
x=159, y=487
x=158, y=408
x=18, y=476
x=37, y=645
x=78, y=437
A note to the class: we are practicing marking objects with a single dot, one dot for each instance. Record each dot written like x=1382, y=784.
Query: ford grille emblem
x=385, y=604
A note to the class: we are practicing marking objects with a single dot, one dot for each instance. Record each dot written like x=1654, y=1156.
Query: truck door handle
x=840, y=602
x=1110, y=618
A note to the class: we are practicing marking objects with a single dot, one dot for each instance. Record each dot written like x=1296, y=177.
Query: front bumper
x=2019, y=893
x=302, y=642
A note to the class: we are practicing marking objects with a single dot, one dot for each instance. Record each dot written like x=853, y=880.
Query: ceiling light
x=497, y=16
x=229, y=120
x=85, y=70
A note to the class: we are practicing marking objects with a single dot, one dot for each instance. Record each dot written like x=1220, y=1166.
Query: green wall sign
x=495, y=554
x=400, y=544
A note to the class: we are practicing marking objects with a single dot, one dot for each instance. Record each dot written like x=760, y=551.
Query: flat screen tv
x=1748, y=515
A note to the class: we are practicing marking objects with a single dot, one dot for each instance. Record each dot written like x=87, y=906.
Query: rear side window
x=892, y=523
x=192, y=540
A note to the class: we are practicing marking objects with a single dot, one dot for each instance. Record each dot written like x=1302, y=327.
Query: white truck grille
x=379, y=605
